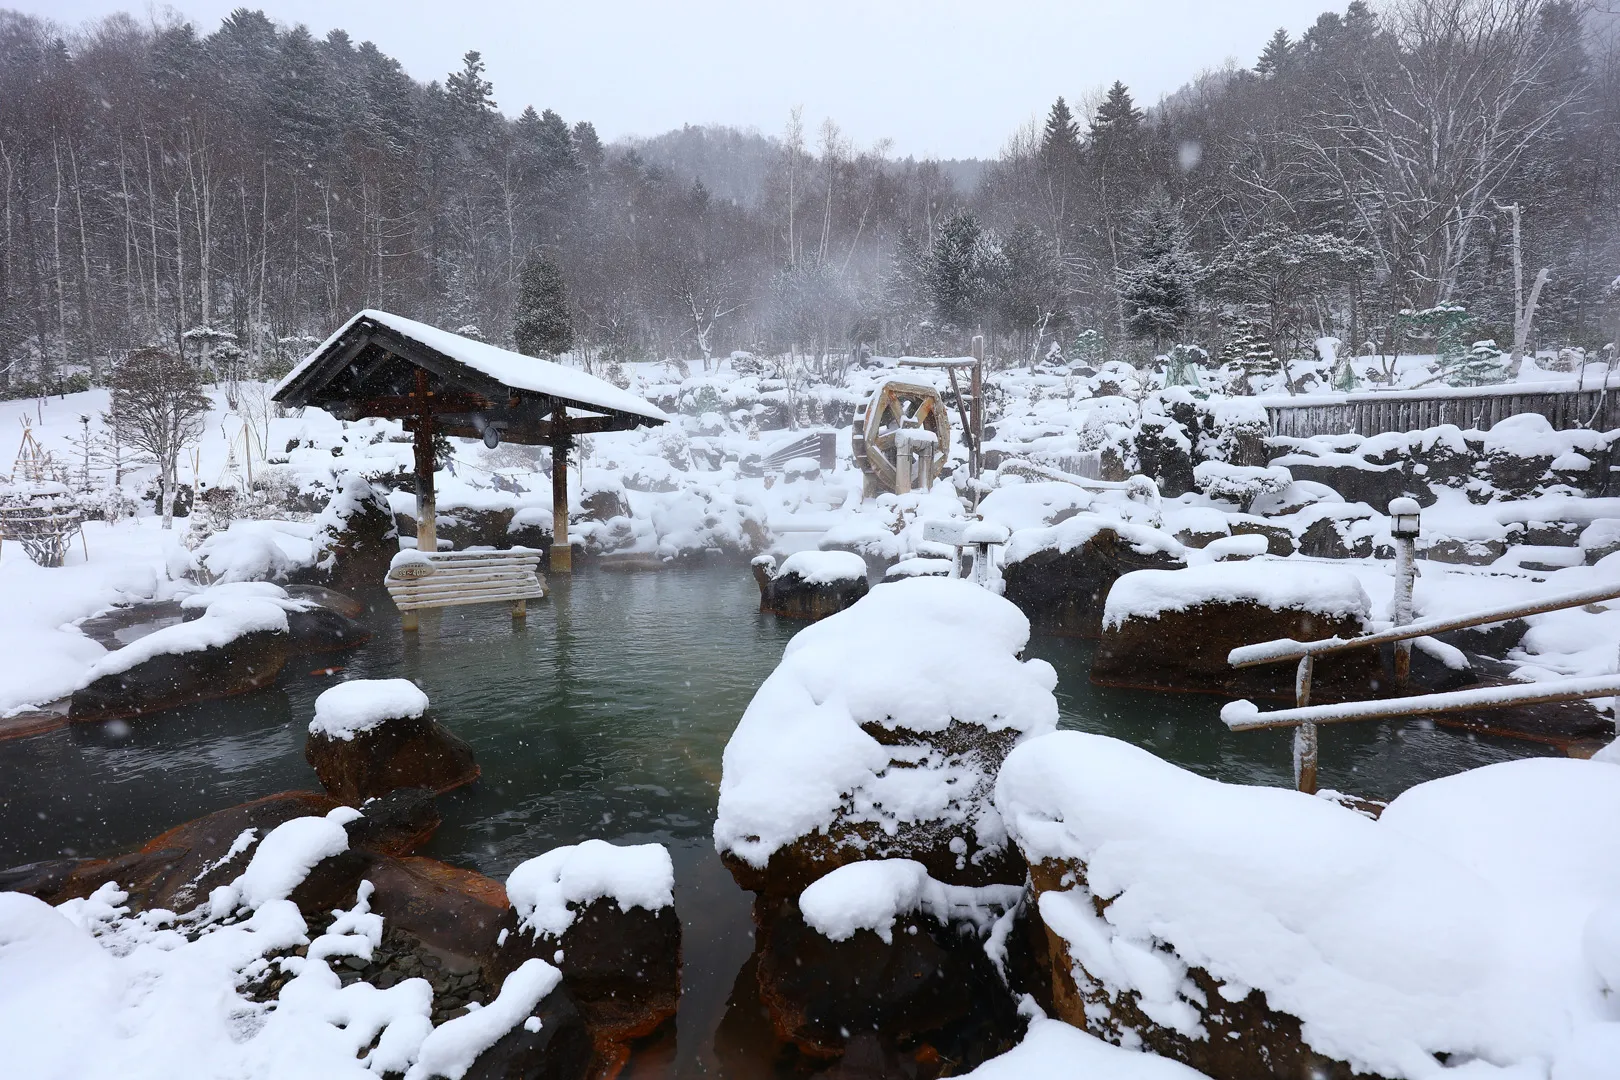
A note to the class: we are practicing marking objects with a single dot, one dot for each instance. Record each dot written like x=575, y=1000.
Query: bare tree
x=158, y=407
x=1436, y=120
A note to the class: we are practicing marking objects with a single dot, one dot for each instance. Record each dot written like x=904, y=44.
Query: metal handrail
x=1245, y=716
x=1303, y=718
x=1281, y=649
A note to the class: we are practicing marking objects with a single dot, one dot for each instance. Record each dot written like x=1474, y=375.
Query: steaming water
x=604, y=716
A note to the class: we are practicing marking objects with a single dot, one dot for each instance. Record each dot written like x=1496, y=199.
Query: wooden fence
x=1414, y=410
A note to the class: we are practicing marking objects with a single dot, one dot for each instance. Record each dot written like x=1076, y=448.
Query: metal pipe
x=1275, y=652
x=1243, y=716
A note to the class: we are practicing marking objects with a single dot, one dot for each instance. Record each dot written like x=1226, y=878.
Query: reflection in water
x=604, y=715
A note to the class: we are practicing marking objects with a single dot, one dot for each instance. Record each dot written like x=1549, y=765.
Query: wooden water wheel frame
x=892, y=406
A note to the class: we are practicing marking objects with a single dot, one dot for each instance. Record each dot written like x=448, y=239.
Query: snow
x=1278, y=585
x=512, y=369
x=282, y=860
x=454, y=1045
x=1052, y=1050
x=1242, y=546
x=824, y=567
x=912, y=655
x=1470, y=919
x=1035, y=504
x=221, y=624
x=546, y=892
x=872, y=894
x=1079, y=530
x=90, y=989
x=360, y=705
x=985, y=532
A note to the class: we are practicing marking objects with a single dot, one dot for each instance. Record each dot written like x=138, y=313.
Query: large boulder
x=355, y=537
x=605, y=916
x=1173, y=629
x=372, y=736
x=879, y=946
x=1060, y=576
x=236, y=645
x=810, y=584
x=1263, y=933
x=879, y=735
x=1353, y=477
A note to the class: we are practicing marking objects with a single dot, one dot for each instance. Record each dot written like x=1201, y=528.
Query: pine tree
x=468, y=88
x=1248, y=351
x=1060, y=141
x=1117, y=115
x=956, y=268
x=587, y=145
x=1481, y=365
x=543, y=325
x=1157, y=288
x=1278, y=54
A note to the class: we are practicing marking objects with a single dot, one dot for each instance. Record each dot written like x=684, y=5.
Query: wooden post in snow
x=562, y=561
x=427, y=536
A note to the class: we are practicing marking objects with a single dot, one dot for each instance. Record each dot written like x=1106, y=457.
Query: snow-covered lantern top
x=1405, y=517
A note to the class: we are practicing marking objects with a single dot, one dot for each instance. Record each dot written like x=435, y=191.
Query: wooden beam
x=562, y=558
x=427, y=535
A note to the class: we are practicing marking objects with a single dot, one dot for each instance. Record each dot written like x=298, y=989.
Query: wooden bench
x=453, y=578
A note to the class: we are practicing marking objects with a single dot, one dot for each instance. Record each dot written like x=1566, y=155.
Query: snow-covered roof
x=504, y=366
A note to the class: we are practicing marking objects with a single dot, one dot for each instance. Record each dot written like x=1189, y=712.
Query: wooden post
x=1305, y=749
x=902, y=461
x=427, y=537
x=407, y=620
x=562, y=560
x=976, y=388
x=520, y=609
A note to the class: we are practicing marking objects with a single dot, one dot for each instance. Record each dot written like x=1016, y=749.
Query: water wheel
x=893, y=406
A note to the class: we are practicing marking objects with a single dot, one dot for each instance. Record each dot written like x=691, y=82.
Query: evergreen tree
x=1117, y=115
x=543, y=325
x=1060, y=140
x=1482, y=365
x=1249, y=352
x=1277, y=56
x=587, y=145
x=468, y=88
x=956, y=270
x=1158, y=287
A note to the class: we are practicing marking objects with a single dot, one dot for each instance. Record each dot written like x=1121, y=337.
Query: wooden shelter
x=439, y=383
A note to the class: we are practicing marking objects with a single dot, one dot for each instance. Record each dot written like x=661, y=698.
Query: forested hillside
x=236, y=191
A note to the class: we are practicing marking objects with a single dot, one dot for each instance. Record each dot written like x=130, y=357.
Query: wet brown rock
x=789, y=596
x=1062, y=592
x=1186, y=650
x=622, y=968
x=331, y=599
x=356, y=538
x=250, y=662
x=405, y=752
x=559, y=1050
x=397, y=823
x=928, y=984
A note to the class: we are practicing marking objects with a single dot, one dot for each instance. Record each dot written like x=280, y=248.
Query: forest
x=1431, y=176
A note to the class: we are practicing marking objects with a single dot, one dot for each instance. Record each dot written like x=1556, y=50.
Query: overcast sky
x=948, y=78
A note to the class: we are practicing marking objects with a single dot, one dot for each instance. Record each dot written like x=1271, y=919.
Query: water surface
x=604, y=714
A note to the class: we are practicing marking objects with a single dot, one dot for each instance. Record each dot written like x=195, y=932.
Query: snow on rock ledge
x=879, y=735
x=824, y=567
x=362, y=704
x=871, y=895
x=1275, y=585
x=1467, y=921
x=547, y=892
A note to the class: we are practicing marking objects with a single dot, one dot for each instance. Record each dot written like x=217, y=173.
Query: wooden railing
x=1377, y=412
x=1304, y=717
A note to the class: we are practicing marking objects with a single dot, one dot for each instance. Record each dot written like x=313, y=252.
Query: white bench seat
x=453, y=578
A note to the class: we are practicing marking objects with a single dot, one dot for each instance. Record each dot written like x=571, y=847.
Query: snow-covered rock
x=1470, y=919
x=878, y=736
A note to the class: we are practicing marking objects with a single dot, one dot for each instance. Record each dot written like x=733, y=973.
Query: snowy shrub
x=1241, y=484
